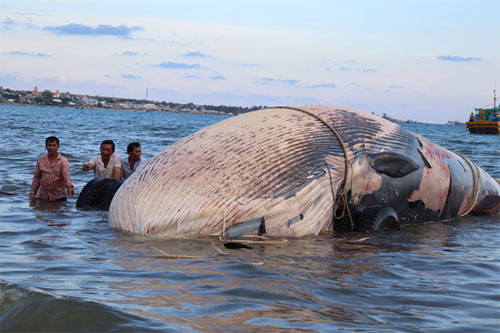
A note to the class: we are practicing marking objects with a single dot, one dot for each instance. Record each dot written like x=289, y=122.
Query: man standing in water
x=106, y=165
x=134, y=161
x=52, y=174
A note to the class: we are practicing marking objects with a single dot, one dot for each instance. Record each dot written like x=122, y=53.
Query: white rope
x=476, y=184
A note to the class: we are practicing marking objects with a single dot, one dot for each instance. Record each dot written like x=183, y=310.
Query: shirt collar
x=46, y=156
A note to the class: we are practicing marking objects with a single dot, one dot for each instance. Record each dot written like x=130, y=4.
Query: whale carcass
x=294, y=171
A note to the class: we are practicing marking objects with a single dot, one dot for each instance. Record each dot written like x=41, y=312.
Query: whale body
x=292, y=171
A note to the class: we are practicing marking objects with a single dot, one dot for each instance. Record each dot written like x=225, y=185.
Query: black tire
x=97, y=194
x=107, y=193
x=375, y=219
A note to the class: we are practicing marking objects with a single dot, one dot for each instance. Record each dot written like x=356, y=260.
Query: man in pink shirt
x=52, y=174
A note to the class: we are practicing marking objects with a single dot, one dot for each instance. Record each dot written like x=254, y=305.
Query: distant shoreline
x=75, y=101
x=181, y=111
x=209, y=112
x=56, y=99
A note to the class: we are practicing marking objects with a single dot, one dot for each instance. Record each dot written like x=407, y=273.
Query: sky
x=425, y=60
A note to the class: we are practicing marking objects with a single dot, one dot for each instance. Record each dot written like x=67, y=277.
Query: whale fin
x=393, y=164
x=239, y=229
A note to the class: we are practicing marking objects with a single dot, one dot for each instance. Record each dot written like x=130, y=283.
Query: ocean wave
x=35, y=310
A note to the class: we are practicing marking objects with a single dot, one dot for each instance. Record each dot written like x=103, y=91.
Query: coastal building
x=150, y=106
x=124, y=105
x=89, y=101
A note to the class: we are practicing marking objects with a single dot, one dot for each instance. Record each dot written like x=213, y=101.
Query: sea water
x=66, y=270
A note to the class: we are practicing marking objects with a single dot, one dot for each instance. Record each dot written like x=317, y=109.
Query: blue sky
x=430, y=61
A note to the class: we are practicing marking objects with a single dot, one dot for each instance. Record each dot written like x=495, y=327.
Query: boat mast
x=494, y=98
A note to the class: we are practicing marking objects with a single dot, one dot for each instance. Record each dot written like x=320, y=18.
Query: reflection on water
x=244, y=285
x=65, y=270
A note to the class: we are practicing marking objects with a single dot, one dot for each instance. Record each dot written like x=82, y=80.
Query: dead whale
x=295, y=171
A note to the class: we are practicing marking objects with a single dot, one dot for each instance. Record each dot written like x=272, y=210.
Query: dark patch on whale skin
x=392, y=164
x=460, y=182
x=420, y=213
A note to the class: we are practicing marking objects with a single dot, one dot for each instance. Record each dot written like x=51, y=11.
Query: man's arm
x=36, y=180
x=87, y=166
x=67, y=177
x=117, y=173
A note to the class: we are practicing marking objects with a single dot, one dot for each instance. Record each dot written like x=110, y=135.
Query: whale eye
x=392, y=164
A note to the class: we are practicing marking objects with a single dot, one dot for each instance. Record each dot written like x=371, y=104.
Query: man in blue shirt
x=134, y=161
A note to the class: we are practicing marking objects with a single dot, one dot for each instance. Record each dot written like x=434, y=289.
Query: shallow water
x=66, y=270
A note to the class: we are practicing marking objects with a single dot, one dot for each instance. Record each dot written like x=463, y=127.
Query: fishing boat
x=485, y=121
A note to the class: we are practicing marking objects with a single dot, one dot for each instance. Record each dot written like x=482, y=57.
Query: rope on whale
x=476, y=184
x=342, y=192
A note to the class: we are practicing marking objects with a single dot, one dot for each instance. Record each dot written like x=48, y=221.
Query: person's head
x=52, y=144
x=134, y=150
x=107, y=148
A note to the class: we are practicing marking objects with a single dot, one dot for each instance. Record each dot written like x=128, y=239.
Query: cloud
x=129, y=53
x=322, y=85
x=131, y=76
x=63, y=79
x=364, y=70
x=458, y=58
x=9, y=24
x=196, y=54
x=11, y=80
x=291, y=82
x=395, y=87
x=218, y=77
x=177, y=65
x=249, y=65
x=27, y=54
x=268, y=80
x=100, y=30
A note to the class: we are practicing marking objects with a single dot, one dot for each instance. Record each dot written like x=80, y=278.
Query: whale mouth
x=277, y=164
